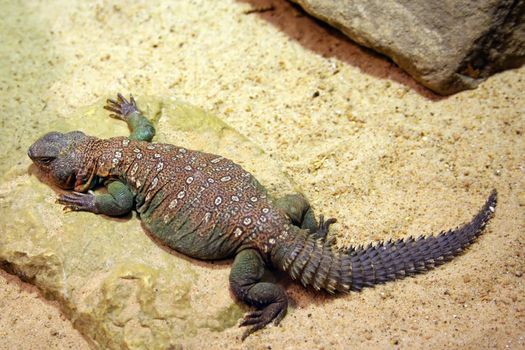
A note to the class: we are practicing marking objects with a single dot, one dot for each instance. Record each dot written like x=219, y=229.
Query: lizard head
x=55, y=156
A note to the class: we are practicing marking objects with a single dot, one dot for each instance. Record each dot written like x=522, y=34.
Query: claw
x=121, y=107
x=330, y=222
x=108, y=108
x=261, y=318
x=77, y=201
x=279, y=317
x=249, y=321
x=250, y=331
x=253, y=314
x=324, y=226
x=251, y=318
x=67, y=209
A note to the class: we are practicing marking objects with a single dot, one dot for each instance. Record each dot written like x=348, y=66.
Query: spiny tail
x=317, y=263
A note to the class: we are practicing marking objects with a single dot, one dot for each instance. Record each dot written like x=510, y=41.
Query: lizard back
x=200, y=204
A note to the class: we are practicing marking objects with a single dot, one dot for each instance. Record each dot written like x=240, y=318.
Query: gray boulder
x=448, y=46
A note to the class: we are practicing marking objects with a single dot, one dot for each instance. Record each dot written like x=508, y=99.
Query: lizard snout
x=29, y=153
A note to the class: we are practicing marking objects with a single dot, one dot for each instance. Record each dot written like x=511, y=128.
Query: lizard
x=207, y=207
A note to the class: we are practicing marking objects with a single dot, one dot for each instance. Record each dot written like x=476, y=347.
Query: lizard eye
x=45, y=160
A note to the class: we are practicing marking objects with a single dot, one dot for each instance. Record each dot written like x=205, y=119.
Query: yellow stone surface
x=119, y=288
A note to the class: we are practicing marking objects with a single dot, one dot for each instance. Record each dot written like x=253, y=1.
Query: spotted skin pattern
x=207, y=207
x=185, y=195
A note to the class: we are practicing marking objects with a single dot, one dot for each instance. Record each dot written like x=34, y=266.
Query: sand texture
x=360, y=138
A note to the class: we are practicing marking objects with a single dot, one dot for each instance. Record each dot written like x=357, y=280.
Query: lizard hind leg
x=298, y=209
x=245, y=283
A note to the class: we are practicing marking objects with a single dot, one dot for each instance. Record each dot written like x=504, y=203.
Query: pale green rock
x=120, y=289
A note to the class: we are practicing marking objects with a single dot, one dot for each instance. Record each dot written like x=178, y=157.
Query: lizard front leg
x=245, y=283
x=118, y=201
x=141, y=128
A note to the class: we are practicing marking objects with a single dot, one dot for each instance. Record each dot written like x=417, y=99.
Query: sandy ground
x=365, y=142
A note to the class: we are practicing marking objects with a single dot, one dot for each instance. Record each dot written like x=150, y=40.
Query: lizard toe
x=121, y=107
x=324, y=226
x=261, y=318
x=78, y=201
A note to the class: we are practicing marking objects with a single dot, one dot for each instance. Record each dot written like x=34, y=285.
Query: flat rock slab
x=119, y=288
x=448, y=46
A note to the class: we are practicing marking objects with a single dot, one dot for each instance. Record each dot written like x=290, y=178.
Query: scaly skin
x=207, y=207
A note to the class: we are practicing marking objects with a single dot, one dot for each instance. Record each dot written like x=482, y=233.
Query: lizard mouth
x=67, y=183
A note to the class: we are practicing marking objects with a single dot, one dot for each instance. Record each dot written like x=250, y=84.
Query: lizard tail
x=318, y=263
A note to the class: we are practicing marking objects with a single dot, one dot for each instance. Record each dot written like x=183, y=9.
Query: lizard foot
x=122, y=107
x=77, y=201
x=324, y=226
x=261, y=318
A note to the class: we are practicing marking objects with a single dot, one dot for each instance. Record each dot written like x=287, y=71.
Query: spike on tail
x=389, y=260
x=317, y=263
